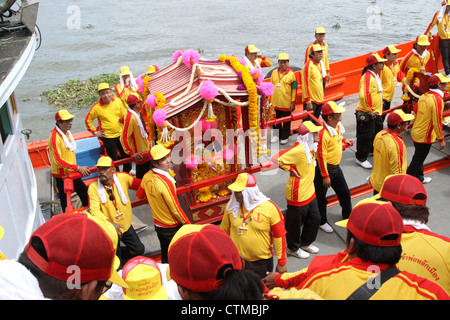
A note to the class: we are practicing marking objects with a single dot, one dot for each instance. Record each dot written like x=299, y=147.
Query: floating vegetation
x=76, y=94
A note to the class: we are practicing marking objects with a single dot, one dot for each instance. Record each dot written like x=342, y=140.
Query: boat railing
x=263, y=166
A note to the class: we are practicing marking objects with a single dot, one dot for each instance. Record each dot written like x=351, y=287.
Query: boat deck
x=328, y=243
x=12, y=46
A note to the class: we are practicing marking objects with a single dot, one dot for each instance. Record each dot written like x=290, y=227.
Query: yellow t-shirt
x=370, y=98
x=62, y=160
x=107, y=117
x=427, y=123
x=312, y=83
x=263, y=225
x=285, y=89
x=329, y=149
x=389, y=80
x=389, y=157
x=114, y=210
x=162, y=197
x=299, y=192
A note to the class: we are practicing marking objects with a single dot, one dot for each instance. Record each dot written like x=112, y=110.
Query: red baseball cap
x=81, y=241
x=132, y=99
x=398, y=116
x=370, y=222
x=308, y=127
x=402, y=188
x=374, y=58
x=200, y=255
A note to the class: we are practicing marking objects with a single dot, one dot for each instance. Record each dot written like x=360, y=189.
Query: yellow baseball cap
x=124, y=71
x=331, y=107
x=144, y=280
x=243, y=181
x=317, y=47
x=2, y=232
x=423, y=40
x=158, y=152
x=103, y=86
x=438, y=78
x=251, y=49
x=104, y=162
x=320, y=30
x=63, y=115
x=283, y=56
x=152, y=69
x=390, y=49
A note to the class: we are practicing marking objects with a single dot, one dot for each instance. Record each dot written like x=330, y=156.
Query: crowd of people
x=98, y=255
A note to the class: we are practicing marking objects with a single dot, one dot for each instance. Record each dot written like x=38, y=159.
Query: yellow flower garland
x=250, y=85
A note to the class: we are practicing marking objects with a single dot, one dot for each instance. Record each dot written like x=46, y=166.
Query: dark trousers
x=141, y=169
x=165, y=235
x=132, y=246
x=112, y=146
x=386, y=106
x=340, y=187
x=80, y=188
x=260, y=267
x=302, y=224
x=284, y=129
x=421, y=151
x=317, y=108
x=365, y=134
x=445, y=53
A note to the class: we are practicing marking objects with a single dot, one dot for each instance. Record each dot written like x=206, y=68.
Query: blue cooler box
x=87, y=153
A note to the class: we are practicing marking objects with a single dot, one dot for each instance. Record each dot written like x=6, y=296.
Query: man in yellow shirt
x=427, y=125
x=424, y=252
x=390, y=75
x=126, y=85
x=158, y=186
x=373, y=245
x=312, y=84
x=108, y=198
x=370, y=107
x=325, y=63
x=134, y=137
x=61, y=150
x=253, y=222
x=389, y=150
x=284, y=95
x=255, y=59
x=302, y=216
x=441, y=19
x=108, y=110
x=418, y=57
x=328, y=172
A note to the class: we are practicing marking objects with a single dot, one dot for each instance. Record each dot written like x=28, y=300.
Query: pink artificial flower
x=208, y=90
x=151, y=100
x=159, y=116
x=190, y=56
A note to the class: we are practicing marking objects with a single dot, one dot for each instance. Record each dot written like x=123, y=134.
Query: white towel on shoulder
x=102, y=191
x=68, y=142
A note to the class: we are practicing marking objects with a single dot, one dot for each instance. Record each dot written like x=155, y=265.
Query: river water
x=85, y=38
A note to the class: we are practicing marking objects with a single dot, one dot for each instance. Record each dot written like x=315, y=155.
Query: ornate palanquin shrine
x=212, y=115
